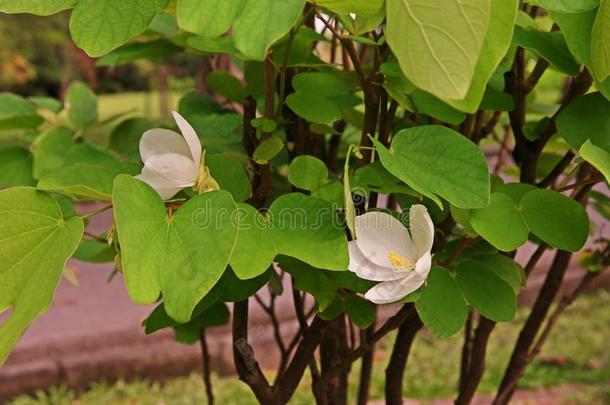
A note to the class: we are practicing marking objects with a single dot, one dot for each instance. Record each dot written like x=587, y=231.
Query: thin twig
x=207, y=368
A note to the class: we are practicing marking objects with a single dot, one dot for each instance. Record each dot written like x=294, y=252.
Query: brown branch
x=366, y=368
x=525, y=151
x=246, y=365
x=392, y=323
x=521, y=353
x=487, y=128
x=589, y=181
x=466, y=350
x=289, y=381
x=534, y=77
x=207, y=369
x=277, y=333
x=557, y=170
x=477, y=361
x=534, y=258
x=318, y=386
x=398, y=361
x=563, y=304
x=464, y=243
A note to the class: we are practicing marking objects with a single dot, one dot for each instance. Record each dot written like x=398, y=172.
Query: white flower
x=171, y=161
x=385, y=251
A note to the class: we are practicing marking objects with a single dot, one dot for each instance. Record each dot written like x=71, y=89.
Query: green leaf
x=38, y=7
x=219, y=132
x=441, y=306
x=164, y=24
x=485, y=291
x=310, y=280
x=587, y=116
x=92, y=251
x=99, y=26
x=596, y=156
x=360, y=311
x=496, y=100
x=516, y=191
x=307, y=172
x=333, y=310
x=125, y=138
x=438, y=51
x=360, y=7
x=194, y=103
x=600, y=47
x=48, y=103
x=500, y=223
x=576, y=28
x=495, y=46
x=362, y=23
x=419, y=157
x=550, y=45
x=266, y=125
x=304, y=227
x=208, y=18
x=556, y=219
x=350, y=281
x=462, y=217
x=159, y=319
x=180, y=255
x=313, y=108
x=320, y=83
x=235, y=290
x=505, y=268
x=331, y=192
x=601, y=203
x=261, y=23
x=50, y=150
x=81, y=103
x=230, y=175
x=227, y=85
x=254, y=250
x=566, y=6
x=152, y=51
x=213, y=45
x=36, y=244
x=86, y=181
x=268, y=149
x=432, y=106
x=216, y=315
x=396, y=84
x=17, y=113
x=15, y=167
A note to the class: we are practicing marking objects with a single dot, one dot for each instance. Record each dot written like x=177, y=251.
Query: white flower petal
x=422, y=229
x=366, y=269
x=378, y=233
x=175, y=170
x=423, y=265
x=161, y=188
x=392, y=291
x=160, y=141
x=190, y=136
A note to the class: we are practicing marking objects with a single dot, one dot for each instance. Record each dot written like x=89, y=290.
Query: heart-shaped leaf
x=179, y=255
x=35, y=243
x=438, y=162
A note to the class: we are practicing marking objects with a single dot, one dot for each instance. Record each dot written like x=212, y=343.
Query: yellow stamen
x=205, y=181
x=398, y=262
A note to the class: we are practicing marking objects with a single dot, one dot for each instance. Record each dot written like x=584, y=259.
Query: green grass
x=580, y=340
